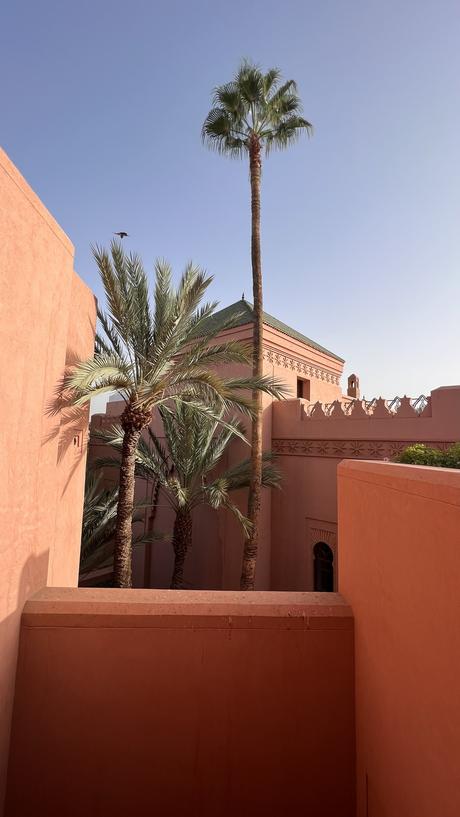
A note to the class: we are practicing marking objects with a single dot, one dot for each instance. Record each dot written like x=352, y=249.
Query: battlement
x=377, y=408
x=431, y=418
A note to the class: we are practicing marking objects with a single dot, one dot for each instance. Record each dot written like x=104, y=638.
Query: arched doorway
x=323, y=568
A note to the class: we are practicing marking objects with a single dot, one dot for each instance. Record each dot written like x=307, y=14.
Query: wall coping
x=111, y=607
x=438, y=484
x=12, y=171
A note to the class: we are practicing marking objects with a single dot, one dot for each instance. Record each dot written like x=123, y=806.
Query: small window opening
x=303, y=388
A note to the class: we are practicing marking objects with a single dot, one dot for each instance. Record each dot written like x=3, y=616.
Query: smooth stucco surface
x=309, y=449
x=183, y=704
x=399, y=570
x=47, y=317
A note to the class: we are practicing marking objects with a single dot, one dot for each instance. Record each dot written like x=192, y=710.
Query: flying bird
x=122, y=234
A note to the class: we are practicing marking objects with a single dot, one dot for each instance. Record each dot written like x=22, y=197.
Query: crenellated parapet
x=370, y=429
x=377, y=408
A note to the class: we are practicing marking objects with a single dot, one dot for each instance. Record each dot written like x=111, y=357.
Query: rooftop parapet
x=378, y=407
x=423, y=418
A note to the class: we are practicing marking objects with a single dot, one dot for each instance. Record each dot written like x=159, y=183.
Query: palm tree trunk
x=132, y=421
x=182, y=539
x=150, y=527
x=252, y=542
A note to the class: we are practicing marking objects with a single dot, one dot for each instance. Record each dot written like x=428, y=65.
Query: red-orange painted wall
x=183, y=704
x=309, y=449
x=47, y=314
x=399, y=570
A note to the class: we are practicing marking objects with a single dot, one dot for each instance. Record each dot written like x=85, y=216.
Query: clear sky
x=101, y=109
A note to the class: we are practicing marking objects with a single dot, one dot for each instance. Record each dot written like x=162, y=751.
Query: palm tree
x=185, y=469
x=99, y=526
x=252, y=113
x=150, y=353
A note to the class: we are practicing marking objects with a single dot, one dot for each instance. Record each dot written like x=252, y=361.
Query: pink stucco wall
x=309, y=449
x=47, y=315
x=399, y=570
x=183, y=704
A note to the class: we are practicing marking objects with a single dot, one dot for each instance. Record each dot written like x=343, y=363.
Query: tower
x=353, y=386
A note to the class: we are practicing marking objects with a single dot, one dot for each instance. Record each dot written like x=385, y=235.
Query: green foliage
x=99, y=519
x=420, y=454
x=254, y=104
x=99, y=524
x=185, y=467
x=152, y=351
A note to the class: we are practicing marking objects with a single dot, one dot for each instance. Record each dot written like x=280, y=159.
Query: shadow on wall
x=70, y=422
x=32, y=577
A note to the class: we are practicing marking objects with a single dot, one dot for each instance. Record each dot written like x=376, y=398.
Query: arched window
x=323, y=568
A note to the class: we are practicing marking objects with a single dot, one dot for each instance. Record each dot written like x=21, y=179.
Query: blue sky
x=101, y=109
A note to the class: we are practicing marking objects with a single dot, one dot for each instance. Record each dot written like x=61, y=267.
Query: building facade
x=311, y=432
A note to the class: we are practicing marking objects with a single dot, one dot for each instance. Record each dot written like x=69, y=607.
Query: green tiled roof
x=242, y=312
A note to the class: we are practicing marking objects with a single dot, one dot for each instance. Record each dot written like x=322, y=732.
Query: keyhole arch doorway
x=323, y=568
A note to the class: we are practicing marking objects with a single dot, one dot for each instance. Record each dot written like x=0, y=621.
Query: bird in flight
x=122, y=234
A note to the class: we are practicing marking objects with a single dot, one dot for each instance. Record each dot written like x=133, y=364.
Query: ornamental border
x=296, y=365
x=349, y=449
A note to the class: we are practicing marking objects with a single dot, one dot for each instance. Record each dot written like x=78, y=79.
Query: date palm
x=185, y=469
x=253, y=113
x=99, y=526
x=150, y=353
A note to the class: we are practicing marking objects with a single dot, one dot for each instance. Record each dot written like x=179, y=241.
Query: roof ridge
x=271, y=321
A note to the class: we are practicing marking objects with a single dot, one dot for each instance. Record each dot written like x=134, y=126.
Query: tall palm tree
x=185, y=469
x=150, y=353
x=255, y=112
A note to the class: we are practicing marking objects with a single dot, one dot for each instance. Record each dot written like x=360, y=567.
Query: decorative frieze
x=299, y=366
x=349, y=449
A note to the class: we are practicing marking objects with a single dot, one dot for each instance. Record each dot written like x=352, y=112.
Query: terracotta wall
x=399, y=570
x=47, y=315
x=304, y=512
x=309, y=450
x=183, y=705
x=438, y=422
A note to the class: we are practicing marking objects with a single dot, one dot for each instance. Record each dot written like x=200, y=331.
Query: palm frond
x=288, y=131
x=99, y=521
x=206, y=354
x=238, y=476
x=288, y=88
x=224, y=135
x=266, y=383
x=102, y=367
x=114, y=288
x=151, y=459
x=250, y=82
x=271, y=81
x=242, y=519
x=111, y=342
